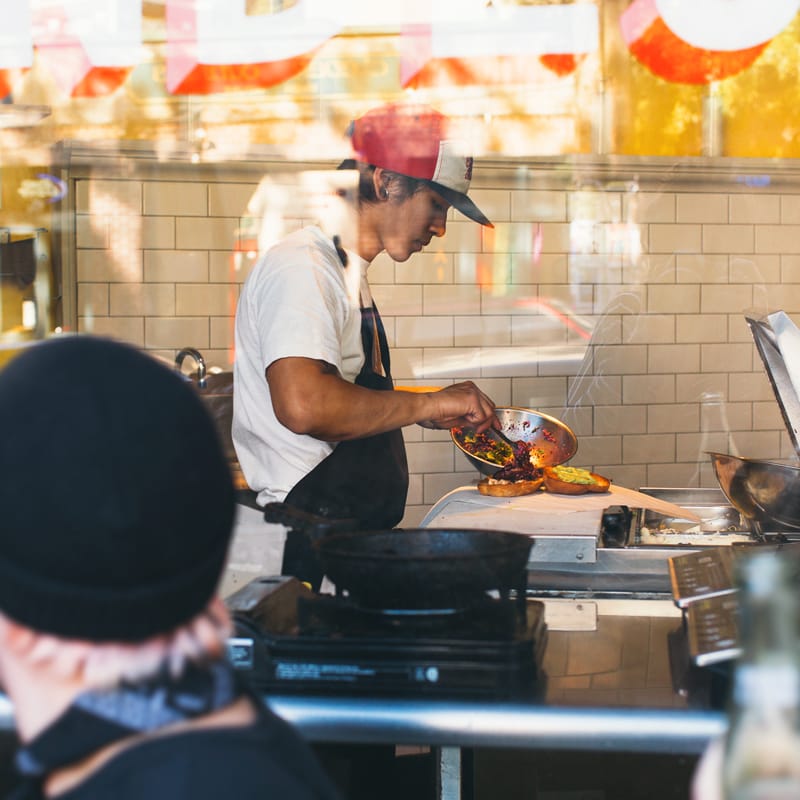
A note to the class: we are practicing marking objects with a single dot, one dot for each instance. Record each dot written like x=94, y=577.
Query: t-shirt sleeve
x=298, y=310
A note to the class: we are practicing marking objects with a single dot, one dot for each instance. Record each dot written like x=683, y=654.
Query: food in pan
x=485, y=446
x=490, y=448
x=690, y=537
x=573, y=480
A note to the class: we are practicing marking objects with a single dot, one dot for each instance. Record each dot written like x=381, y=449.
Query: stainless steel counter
x=448, y=727
x=610, y=687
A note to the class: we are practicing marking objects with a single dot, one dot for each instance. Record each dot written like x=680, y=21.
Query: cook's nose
x=439, y=226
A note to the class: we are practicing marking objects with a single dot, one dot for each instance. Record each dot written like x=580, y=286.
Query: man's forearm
x=310, y=397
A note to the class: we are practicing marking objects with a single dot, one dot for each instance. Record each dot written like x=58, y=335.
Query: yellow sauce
x=574, y=475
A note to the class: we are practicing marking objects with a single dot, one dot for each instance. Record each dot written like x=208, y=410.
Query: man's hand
x=463, y=404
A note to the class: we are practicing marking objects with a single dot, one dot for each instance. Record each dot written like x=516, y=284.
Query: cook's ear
x=380, y=182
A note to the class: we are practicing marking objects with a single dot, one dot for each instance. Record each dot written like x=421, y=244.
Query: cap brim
x=456, y=199
x=461, y=202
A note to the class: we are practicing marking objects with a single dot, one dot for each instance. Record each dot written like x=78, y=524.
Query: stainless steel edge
x=466, y=724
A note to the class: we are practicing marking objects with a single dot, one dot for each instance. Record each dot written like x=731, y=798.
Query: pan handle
x=313, y=525
x=306, y=531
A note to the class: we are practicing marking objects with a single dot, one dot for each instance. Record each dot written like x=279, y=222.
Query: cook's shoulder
x=306, y=250
x=307, y=246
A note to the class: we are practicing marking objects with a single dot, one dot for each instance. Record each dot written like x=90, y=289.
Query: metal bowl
x=766, y=492
x=554, y=441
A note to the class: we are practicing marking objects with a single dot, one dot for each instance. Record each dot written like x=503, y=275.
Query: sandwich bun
x=573, y=480
x=501, y=488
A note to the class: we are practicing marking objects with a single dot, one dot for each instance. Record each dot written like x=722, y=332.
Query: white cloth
x=299, y=301
x=256, y=550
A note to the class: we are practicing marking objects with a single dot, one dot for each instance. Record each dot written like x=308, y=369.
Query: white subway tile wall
x=619, y=308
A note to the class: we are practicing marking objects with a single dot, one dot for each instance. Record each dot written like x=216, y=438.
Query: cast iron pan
x=411, y=568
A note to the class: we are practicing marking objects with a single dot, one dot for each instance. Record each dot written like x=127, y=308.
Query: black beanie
x=116, y=502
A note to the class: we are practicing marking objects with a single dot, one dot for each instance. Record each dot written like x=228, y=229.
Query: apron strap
x=364, y=479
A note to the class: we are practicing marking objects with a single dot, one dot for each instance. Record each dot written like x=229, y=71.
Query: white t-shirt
x=298, y=301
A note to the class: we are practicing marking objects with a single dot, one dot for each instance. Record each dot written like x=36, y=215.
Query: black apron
x=365, y=480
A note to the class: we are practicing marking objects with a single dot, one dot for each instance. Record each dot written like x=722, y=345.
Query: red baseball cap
x=413, y=140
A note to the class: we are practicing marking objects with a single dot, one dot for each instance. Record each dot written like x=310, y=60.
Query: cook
x=316, y=423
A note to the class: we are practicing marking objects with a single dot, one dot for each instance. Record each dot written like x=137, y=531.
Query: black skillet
x=407, y=567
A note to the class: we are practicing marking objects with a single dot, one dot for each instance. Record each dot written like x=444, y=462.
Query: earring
x=385, y=193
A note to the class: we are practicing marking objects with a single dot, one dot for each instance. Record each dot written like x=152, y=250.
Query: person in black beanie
x=117, y=509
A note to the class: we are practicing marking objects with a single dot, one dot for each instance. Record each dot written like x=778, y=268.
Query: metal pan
x=414, y=568
x=434, y=567
x=765, y=492
x=548, y=440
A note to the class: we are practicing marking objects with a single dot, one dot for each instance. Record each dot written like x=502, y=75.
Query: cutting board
x=542, y=512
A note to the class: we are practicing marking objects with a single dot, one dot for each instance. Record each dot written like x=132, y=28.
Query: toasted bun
x=574, y=481
x=495, y=488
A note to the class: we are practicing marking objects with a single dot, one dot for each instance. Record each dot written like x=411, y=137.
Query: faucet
x=201, y=364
